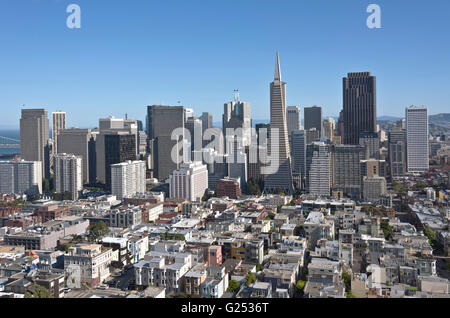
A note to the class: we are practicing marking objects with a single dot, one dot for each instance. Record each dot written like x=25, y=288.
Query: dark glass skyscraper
x=313, y=118
x=360, y=106
x=162, y=121
x=118, y=149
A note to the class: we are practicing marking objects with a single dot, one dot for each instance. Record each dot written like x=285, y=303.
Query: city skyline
x=73, y=73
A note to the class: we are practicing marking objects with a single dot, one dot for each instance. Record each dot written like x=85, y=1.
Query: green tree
x=250, y=278
x=233, y=286
x=347, y=280
x=67, y=248
x=432, y=238
x=97, y=230
x=254, y=187
x=350, y=295
x=386, y=228
x=300, y=285
x=38, y=292
x=258, y=267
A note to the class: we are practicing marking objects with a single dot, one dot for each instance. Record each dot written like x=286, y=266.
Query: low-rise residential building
x=88, y=264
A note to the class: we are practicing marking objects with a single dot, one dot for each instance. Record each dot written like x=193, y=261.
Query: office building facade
x=360, y=106
x=58, y=124
x=34, y=138
x=313, y=119
x=162, y=121
x=293, y=119
x=417, y=139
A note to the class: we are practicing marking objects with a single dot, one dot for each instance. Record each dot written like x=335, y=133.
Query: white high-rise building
x=318, y=168
x=293, y=119
x=128, y=178
x=189, y=182
x=68, y=174
x=58, y=124
x=417, y=139
x=21, y=177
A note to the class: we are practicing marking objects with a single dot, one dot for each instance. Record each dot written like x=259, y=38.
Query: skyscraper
x=318, y=169
x=347, y=169
x=328, y=128
x=207, y=121
x=111, y=126
x=162, y=121
x=360, y=106
x=417, y=139
x=298, y=148
x=68, y=174
x=298, y=155
x=237, y=164
x=34, y=138
x=118, y=148
x=371, y=143
x=282, y=178
x=58, y=124
x=76, y=141
x=293, y=119
x=236, y=116
x=194, y=126
x=313, y=118
x=397, y=152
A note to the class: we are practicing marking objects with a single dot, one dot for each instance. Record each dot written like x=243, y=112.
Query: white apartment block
x=417, y=139
x=128, y=178
x=125, y=218
x=92, y=262
x=189, y=182
x=163, y=269
x=68, y=174
x=21, y=177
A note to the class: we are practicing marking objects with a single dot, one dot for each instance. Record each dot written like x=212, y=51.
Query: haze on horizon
x=130, y=55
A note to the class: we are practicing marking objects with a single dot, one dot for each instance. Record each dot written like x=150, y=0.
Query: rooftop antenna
x=236, y=96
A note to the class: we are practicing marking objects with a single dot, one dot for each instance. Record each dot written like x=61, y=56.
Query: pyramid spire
x=277, y=76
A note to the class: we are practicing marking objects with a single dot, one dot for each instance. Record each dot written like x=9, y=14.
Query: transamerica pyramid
x=280, y=180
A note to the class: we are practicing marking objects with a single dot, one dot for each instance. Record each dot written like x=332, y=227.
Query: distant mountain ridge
x=440, y=118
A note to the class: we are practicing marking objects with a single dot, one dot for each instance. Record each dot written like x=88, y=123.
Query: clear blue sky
x=129, y=54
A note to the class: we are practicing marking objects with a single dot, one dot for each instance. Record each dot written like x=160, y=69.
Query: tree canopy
x=97, y=230
x=250, y=279
x=39, y=292
x=233, y=286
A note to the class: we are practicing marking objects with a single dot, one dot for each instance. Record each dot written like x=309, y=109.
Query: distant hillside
x=440, y=118
x=388, y=118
